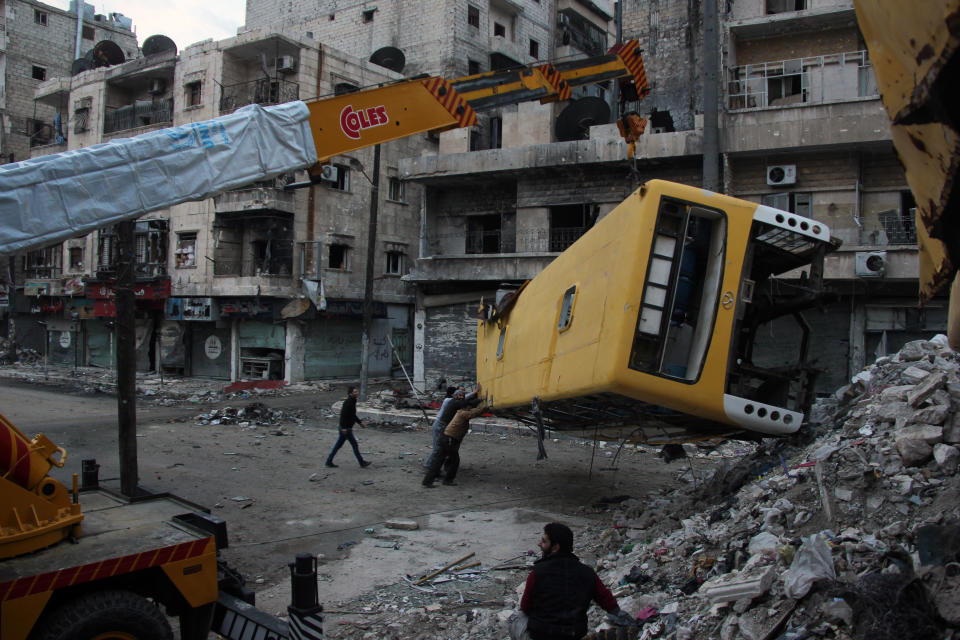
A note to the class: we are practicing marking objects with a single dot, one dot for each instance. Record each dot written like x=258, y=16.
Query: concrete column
x=294, y=352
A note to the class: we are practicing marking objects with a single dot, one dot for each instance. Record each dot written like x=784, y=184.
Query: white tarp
x=51, y=198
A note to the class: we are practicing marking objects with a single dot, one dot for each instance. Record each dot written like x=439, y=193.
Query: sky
x=183, y=21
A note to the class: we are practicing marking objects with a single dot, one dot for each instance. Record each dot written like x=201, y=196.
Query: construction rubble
x=849, y=530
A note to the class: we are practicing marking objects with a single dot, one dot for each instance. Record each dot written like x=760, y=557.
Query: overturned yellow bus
x=647, y=323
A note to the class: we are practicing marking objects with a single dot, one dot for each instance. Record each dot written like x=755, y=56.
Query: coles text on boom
x=353, y=122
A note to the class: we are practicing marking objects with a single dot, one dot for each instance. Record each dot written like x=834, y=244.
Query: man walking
x=448, y=456
x=560, y=588
x=348, y=417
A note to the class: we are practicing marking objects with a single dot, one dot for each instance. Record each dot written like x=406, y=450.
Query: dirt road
x=270, y=485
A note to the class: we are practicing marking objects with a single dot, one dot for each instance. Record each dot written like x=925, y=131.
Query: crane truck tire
x=105, y=615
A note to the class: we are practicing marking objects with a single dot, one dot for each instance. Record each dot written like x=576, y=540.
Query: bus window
x=679, y=301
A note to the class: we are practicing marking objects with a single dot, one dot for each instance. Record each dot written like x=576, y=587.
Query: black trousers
x=448, y=458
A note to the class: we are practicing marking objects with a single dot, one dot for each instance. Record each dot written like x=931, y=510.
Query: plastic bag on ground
x=813, y=561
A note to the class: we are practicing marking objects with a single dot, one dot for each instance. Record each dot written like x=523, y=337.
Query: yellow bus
x=647, y=322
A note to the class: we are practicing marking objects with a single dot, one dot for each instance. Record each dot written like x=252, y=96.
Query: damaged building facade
x=800, y=127
x=261, y=282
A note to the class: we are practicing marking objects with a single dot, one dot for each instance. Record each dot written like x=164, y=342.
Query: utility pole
x=711, y=132
x=368, y=281
x=125, y=327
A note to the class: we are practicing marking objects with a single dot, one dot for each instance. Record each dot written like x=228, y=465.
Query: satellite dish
x=107, y=53
x=158, y=44
x=575, y=120
x=389, y=57
x=295, y=307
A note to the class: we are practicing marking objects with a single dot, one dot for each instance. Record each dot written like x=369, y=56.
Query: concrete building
x=261, y=282
x=39, y=42
x=800, y=127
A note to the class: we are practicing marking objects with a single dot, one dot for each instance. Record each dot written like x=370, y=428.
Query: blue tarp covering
x=51, y=198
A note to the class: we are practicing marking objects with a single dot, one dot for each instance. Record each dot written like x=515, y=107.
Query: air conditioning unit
x=286, y=64
x=329, y=173
x=779, y=174
x=871, y=264
x=157, y=85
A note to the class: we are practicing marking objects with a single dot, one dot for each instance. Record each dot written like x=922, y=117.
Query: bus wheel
x=105, y=615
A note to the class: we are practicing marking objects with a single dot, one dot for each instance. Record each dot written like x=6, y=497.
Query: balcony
x=824, y=79
x=255, y=199
x=768, y=18
x=138, y=115
x=274, y=266
x=44, y=134
x=261, y=91
x=498, y=241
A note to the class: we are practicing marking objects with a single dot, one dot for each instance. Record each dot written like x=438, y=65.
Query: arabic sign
x=246, y=308
x=156, y=290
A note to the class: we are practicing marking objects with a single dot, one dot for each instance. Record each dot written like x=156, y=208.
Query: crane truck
x=91, y=564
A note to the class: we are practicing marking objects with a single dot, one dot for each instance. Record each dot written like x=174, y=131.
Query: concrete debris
x=253, y=415
x=832, y=517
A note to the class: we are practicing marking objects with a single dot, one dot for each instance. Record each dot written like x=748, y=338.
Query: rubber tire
x=100, y=613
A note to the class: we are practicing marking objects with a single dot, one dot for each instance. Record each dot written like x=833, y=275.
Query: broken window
x=799, y=203
x=534, y=48
x=782, y=6
x=88, y=33
x=150, y=248
x=679, y=300
x=496, y=133
x=473, y=67
x=342, y=182
x=499, y=31
x=394, y=263
x=39, y=73
x=338, y=256
x=483, y=234
x=193, y=92
x=396, y=190
x=76, y=258
x=344, y=87
x=473, y=16
x=368, y=15
x=503, y=339
x=40, y=17
x=186, y=254
x=568, y=223
x=43, y=263
x=786, y=83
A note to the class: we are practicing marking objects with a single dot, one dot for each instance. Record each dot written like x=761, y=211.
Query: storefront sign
x=36, y=288
x=246, y=308
x=156, y=290
x=213, y=347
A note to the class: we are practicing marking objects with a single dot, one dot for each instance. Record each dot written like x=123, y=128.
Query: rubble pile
x=849, y=530
x=255, y=414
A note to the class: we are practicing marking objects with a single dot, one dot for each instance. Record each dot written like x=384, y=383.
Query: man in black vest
x=560, y=589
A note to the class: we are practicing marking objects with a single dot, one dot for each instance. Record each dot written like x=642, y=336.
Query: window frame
x=396, y=190
x=568, y=303
x=193, y=94
x=534, y=49
x=182, y=237
x=41, y=18
x=344, y=250
x=36, y=71
x=394, y=258
x=473, y=16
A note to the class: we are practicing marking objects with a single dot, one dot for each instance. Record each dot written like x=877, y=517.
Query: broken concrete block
x=913, y=375
x=398, y=523
x=929, y=433
x=890, y=411
x=936, y=415
x=914, y=452
x=846, y=495
x=739, y=584
x=947, y=456
x=926, y=388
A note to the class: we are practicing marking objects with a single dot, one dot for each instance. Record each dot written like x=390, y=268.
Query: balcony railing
x=814, y=80
x=524, y=241
x=899, y=229
x=279, y=266
x=142, y=113
x=260, y=91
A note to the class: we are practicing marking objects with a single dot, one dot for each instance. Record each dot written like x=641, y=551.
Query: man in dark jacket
x=560, y=589
x=348, y=418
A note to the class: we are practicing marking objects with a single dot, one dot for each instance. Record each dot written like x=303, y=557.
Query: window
x=394, y=263
x=473, y=16
x=499, y=30
x=81, y=116
x=39, y=73
x=783, y=6
x=503, y=339
x=43, y=263
x=343, y=178
x=798, y=203
x=88, y=33
x=396, y=190
x=40, y=17
x=566, y=308
x=338, y=256
x=186, y=255
x=194, y=94
x=534, y=48
x=344, y=87
x=473, y=67
x=368, y=15
x=76, y=258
